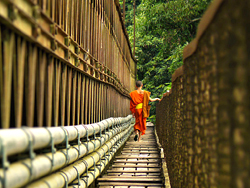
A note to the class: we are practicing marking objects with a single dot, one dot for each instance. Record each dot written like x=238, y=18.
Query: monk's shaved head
x=138, y=83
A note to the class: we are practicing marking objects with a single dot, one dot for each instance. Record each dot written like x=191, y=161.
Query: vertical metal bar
x=91, y=28
x=60, y=13
x=93, y=101
x=88, y=26
x=53, y=10
x=74, y=97
x=85, y=24
x=76, y=20
x=90, y=102
x=8, y=46
x=19, y=81
x=44, y=6
x=67, y=17
x=98, y=101
x=78, y=104
x=40, y=87
x=58, y=72
x=30, y=91
x=49, y=89
x=83, y=100
x=69, y=84
x=72, y=19
x=65, y=20
x=63, y=94
x=80, y=42
x=87, y=100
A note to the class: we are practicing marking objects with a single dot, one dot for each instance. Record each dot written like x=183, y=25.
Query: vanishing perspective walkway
x=139, y=164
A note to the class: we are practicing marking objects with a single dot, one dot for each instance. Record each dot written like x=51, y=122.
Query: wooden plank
x=53, y=10
x=19, y=80
x=68, y=100
x=136, y=166
x=140, y=149
x=147, y=162
x=83, y=99
x=40, y=87
x=136, y=157
x=97, y=102
x=78, y=103
x=60, y=12
x=31, y=81
x=133, y=171
x=87, y=100
x=139, y=152
x=8, y=47
x=76, y=20
x=90, y=102
x=58, y=72
x=63, y=94
x=73, y=115
x=129, y=184
x=81, y=18
x=49, y=91
x=130, y=179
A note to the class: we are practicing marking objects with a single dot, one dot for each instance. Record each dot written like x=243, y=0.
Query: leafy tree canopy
x=163, y=29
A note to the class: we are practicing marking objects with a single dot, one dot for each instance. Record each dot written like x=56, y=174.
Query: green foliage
x=163, y=29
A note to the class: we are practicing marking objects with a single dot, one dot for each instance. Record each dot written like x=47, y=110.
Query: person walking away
x=140, y=109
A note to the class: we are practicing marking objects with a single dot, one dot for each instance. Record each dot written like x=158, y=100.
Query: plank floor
x=137, y=166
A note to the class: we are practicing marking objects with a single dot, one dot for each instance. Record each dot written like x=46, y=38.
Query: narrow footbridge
x=66, y=71
x=138, y=164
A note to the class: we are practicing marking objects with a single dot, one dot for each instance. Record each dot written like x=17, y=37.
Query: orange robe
x=140, y=122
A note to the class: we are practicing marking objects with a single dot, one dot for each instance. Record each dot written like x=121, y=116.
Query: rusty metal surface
x=62, y=61
x=203, y=123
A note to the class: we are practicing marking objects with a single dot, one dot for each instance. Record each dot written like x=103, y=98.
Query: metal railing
x=203, y=122
x=80, y=153
x=63, y=62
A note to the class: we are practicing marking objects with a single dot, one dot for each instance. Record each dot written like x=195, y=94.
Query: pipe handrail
x=70, y=173
x=18, y=140
x=22, y=172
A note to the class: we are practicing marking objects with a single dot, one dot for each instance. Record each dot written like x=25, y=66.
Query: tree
x=163, y=29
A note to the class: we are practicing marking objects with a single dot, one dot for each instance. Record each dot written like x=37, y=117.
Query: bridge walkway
x=139, y=164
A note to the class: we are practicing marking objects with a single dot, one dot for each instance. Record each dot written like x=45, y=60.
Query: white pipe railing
x=15, y=141
x=77, y=169
x=22, y=172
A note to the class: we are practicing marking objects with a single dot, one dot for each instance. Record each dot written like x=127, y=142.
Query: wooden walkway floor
x=138, y=165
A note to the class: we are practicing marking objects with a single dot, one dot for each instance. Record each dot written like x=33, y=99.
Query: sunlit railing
x=31, y=157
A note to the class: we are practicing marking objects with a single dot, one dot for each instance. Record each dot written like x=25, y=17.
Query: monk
x=136, y=107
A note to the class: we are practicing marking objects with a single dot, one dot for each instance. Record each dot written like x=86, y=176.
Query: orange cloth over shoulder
x=140, y=122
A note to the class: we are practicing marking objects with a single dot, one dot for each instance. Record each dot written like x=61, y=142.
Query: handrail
x=17, y=140
x=24, y=171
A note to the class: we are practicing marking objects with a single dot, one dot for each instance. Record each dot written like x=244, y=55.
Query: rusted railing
x=203, y=122
x=63, y=62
